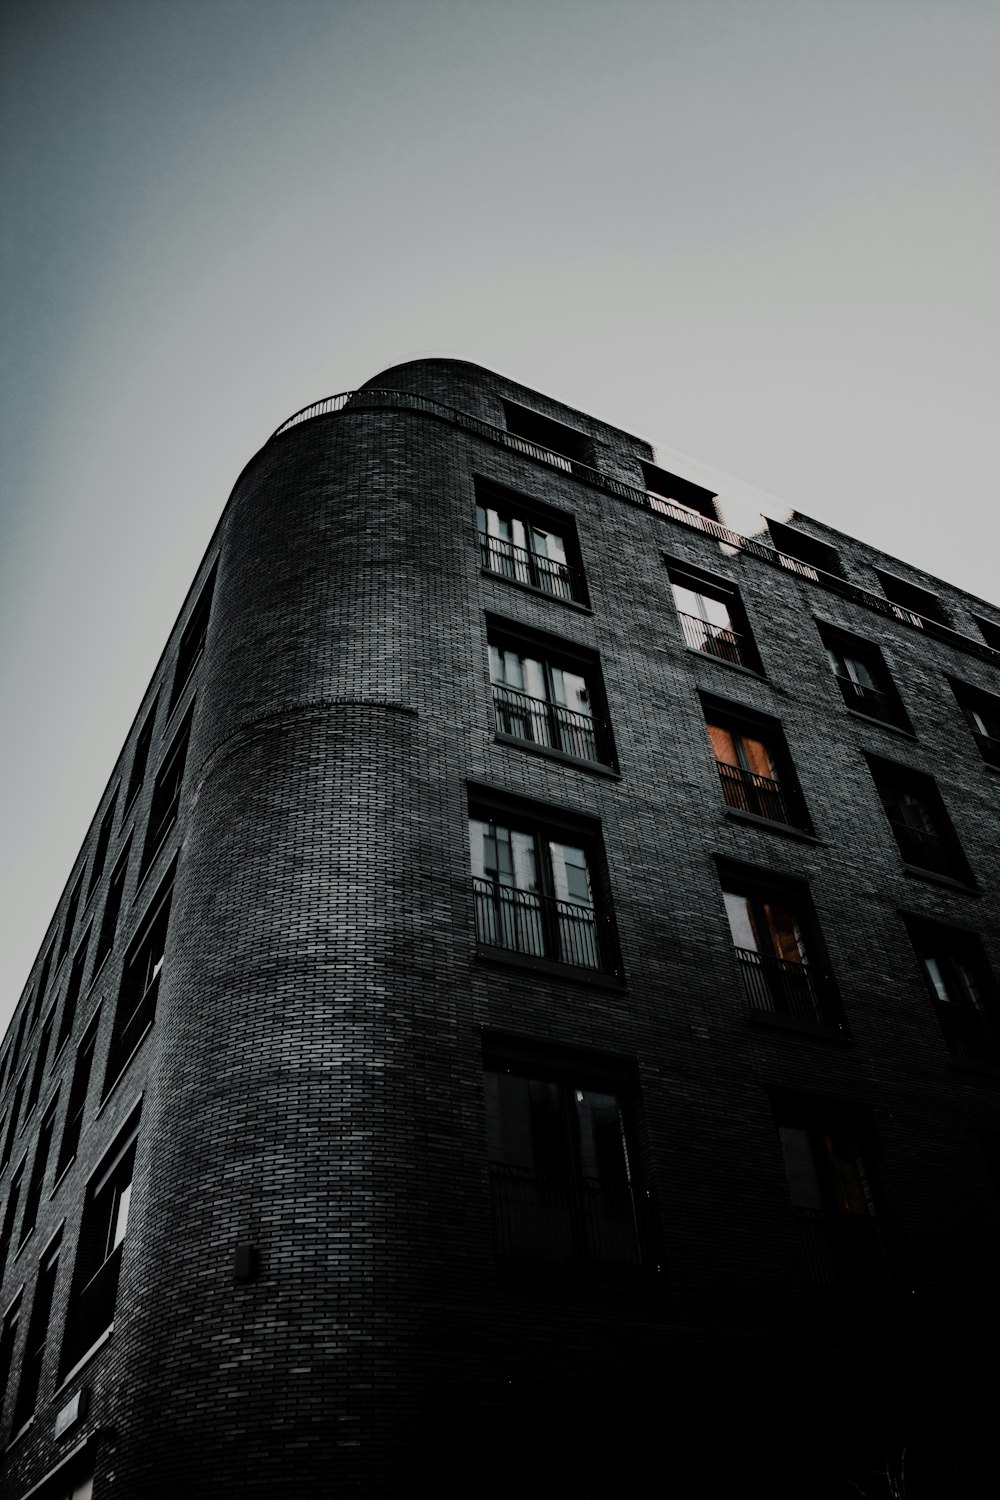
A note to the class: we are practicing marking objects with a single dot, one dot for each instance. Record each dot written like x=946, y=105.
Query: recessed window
x=962, y=988
x=544, y=438
x=549, y=694
x=98, y=1258
x=668, y=493
x=981, y=712
x=712, y=617
x=10, y=1213
x=8, y=1343
x=540, y=889
x=192, y=642
x=43, y=983
x=41, y=1058
x=33, y=1196
x=919, y=822
x=804, y=554
x=136, y=1009
x=781, y=961
x=140, y=758
x=69, y=921
x=101, y=847
x=112, y=908
x=863, y=678
x=755, y=769
x=563, y=1161
x=828, y=1167
x=37, y=1338
x=14, y=1120
x=74, y=986
x=989, y=630
x=910, y=599
x=82, y=1069
x=534, y=548
x=166, y=799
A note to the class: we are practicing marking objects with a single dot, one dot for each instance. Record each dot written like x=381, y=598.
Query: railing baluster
x=541, y=926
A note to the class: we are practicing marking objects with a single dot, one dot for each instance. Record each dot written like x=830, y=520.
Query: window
x=10, y=1214
x=712, y=617
x=101, y=847
x=778, y=948
x=73, y=987
x=70, y=921
x=112, y=907
x=962, y=988
x=535, y=889
x=192, y=642
x=804, y=554
x=920, y=825
x=982, y=714
x=863, y=678
x=910, y=602
x=15, y=1114
x=43, y=982
x=35, y=1182
x=669, y=493
x=37, y=1339
x=563, y=1162
x=828, y=1171
x=989, y=630
x=8, y=1343
x=98, y=1258
x=166, y=798
x=549, y=693
x=76, y=1108
x=544, y=438
x=38, y=1071
x=140, y=758
x=529, y=546
x=140, y=984
x=754, y=767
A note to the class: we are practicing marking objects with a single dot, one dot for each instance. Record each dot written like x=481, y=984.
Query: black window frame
x=969, y=1023
x=797, y=993
x=39, y=1167
x=882, y=703
x=548, y=726
x=69, y=921
x=164, y=806
x=41, y=1058
x=555, y=1213
x=113, y=902
x=778, y=800
x=933, y=850
x=538, y=929
x=76, y=1108
x=981, y=712
x=733, y=645
x=194, y=637
x=102, y=844
x=43, y=982
x=74, y=989
x=135, y=1009
x=524, y=567
x=140, y=758
x=38, y=1336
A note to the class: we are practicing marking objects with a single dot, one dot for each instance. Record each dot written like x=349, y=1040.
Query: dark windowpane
x=112, y=907
x=35, y=1343
x=192, y=642
x=140, y=984
x=77, y=1099
x=140, y=758
x=101, y=848
x=98, y=1258
x=166, y=797
x=73, y=988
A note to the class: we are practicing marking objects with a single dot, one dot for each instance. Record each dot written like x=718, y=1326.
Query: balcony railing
x=524, y=566
x=927, y=850
x=869, y=700
x=582, y=1220
x=968, y=1032
x=545, y=723
x=844, y=1252
x=714, y=640
x=779, y=986
x=989, y=747
x=761, y=795
x=540, y=926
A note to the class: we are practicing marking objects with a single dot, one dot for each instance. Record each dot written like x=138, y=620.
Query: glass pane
x=601, y=1136
x=936, y=976
x=784, y=933
x=121, y=1217
x=858, y=672
x=548, y=544
x=723, y=745
x=850, y=1180
x=740, y=925
x=755, y=757
x=570, y=875
x=570, y=691
x=800, y=1167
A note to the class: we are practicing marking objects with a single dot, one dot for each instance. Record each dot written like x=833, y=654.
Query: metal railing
x=869, y=700
x=989, y=747
x=968, y=1032
x=715, y=640
x=844, y=1251
x=761, y=795
x=927, y=850
x=541, y=926
x=524, y=566
x=780, y=986
x=548, y=1216
x=378, y=398
x=545, y=723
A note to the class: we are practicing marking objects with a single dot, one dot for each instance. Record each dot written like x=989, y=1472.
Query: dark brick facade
x=310, y=1298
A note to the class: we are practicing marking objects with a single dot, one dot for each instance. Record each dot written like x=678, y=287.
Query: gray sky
x=763, y=232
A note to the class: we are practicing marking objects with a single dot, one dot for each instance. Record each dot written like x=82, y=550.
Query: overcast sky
x=762, y=232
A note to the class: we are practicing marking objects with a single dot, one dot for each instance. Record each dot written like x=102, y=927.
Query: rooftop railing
x=378, y=398
x=550, y=724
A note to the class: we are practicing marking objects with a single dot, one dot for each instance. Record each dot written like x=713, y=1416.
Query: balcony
x=926, y=850
x=844, y=1252
x=780, y=987
x=576, y=1220
x=871, y=701
x=551, y=725
x=536, y=925
x=714, y=640
x=523, y=566
x=760, y=795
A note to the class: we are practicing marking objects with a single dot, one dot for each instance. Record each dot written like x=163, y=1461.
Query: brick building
x=523, y=1020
